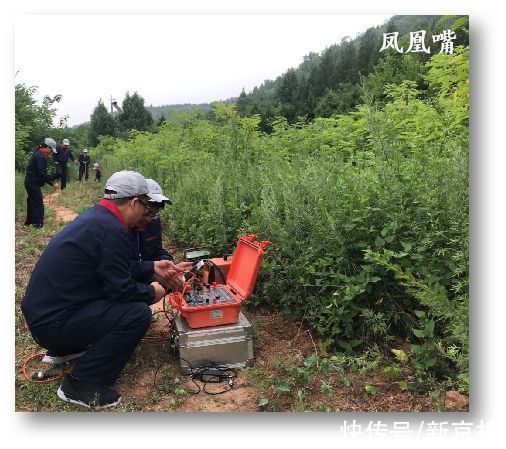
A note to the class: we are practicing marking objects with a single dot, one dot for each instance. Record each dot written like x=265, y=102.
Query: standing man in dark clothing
x=84, y=165
x=61, y=158
x=83, y=301
x=36, y=176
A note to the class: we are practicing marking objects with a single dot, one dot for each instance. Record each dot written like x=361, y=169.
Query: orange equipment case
x=217, y=268
x=208, y=308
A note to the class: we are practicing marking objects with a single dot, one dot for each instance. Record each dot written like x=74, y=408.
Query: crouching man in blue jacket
x=87, y=299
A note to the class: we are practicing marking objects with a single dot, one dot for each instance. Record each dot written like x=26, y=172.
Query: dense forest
x=355, y=166
x=166, y=111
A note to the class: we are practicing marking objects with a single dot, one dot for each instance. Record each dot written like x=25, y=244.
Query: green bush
x=368, y=212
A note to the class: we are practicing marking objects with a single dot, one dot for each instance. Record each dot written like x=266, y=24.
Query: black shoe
x=88, y=395
x=57, y=359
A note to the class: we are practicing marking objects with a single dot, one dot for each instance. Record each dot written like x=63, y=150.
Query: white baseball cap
x=126, y=184
x=155, y=192
x=66, y=142
x=50, y=143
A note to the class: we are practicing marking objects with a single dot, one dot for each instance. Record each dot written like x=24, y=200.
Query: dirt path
x=62, y=213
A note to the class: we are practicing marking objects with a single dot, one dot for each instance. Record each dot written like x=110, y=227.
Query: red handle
x=251, y=239
x=265, y=243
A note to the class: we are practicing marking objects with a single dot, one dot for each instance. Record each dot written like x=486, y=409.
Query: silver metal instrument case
x=229, y=345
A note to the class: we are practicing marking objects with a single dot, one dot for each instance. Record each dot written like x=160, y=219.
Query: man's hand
x=170, y=272
x=160, y=280
x=183, y=266
x=159, y=291
x=165, y=268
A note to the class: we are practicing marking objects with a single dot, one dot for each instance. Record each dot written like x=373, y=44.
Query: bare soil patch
x=62, y=214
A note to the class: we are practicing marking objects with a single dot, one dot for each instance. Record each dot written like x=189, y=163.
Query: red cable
x=50, y=379
x=162, y=336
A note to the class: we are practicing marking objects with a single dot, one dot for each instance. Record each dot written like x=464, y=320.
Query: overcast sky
x=168, y=59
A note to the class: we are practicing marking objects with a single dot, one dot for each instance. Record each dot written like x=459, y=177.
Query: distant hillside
x=330, y=82
x=158, y=111
x=341, y=62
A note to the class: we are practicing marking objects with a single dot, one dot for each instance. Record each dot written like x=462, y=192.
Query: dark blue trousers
x=34, y=205
x=62, y=170
x=83, y=172
x=111, y=330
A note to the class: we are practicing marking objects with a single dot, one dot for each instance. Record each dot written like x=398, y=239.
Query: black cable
x=191, y=376
x=156, y=372
x=163, y=363
x=223, y=376
x=199, y=372
x=198, y=386
x=217, y=268
x=219, y=372
x=218, y=392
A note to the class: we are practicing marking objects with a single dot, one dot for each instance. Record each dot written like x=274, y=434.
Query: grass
x=292, y=383
x=325, y=383
x=287, y=382
x=79, y=196
x=20, y=193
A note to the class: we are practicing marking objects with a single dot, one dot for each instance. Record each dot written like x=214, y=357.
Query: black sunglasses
x=146, y=205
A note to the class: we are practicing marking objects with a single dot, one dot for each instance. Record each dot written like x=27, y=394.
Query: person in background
x=84, y=165
x=61, y=158
x=35, y=177
x=98, y=317
x=98, y=171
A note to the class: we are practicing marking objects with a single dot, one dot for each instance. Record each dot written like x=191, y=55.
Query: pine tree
x=101, y=124
x=244, y=104
x=288, y=87
x=134, y=115
x=161, y=120
x=368, y=52
x=348, y=62
x=287, y=96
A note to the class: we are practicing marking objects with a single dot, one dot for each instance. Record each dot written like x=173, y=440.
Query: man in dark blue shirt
x=84, y=302
x=61, y=158
x=84, y=165
x=35, y=177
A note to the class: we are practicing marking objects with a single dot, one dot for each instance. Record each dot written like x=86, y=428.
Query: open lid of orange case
x=245, y=266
